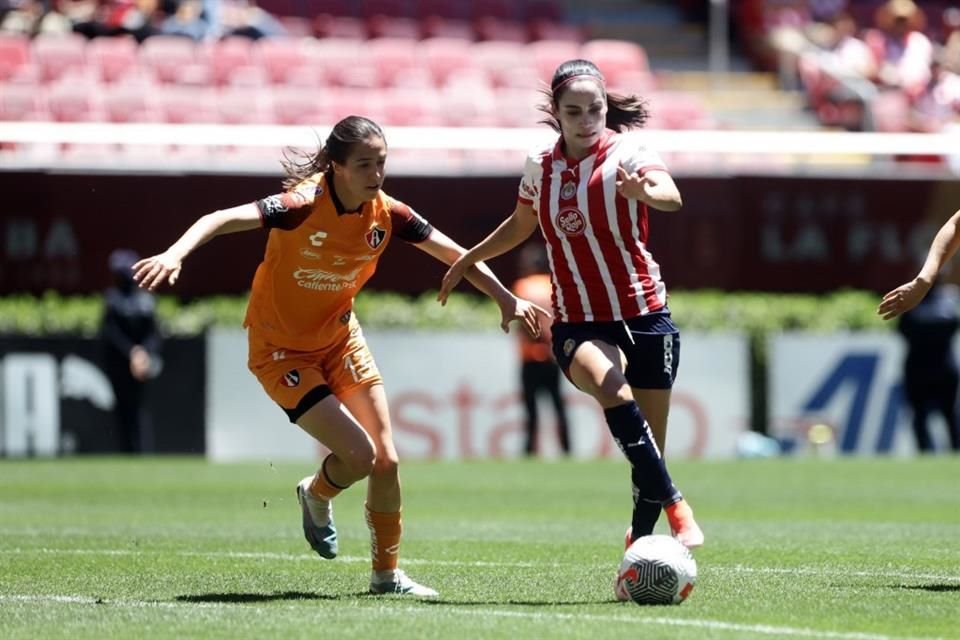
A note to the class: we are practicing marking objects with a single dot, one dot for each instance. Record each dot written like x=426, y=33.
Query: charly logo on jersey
x=375, y=236
x=290, y=378
x=321, y=280
x=568, y=190
x=317, y=238
x=571, y=221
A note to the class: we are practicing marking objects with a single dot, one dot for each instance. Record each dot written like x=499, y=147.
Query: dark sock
x=651, y=482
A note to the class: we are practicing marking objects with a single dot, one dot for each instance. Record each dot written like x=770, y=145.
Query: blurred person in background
x=539, y=372
x=326, y=234
x=902, y=53
x=613, y=336
x=929, y=318
x=131, y=342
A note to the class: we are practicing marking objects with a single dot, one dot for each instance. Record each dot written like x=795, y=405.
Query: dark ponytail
x=300, y=165
x=623, y=112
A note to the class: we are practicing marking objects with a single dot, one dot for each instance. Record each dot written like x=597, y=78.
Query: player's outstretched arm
x=511, y=232
x=152, y=272
x=909, y=294
x=655, y=188
x=479, y=275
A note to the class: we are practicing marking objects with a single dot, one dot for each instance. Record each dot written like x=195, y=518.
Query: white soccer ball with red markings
x=656, y=570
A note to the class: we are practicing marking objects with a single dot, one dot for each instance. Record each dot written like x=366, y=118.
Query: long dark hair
x=300, y=165
x=623, y=112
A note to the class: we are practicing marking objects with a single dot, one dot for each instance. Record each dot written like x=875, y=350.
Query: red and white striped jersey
x=596, y=238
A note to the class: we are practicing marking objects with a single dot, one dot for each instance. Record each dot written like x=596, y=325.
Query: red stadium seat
x=551, y=30
x=472, y=107
x=410, y=107
x=360, y=102
x=449, y=9
x=498, y=58
x=55, y=54
x=446, y=56
x=130, y=103
x=615, y=57
x=280, y=57
x=14, y=54
x=326, y=25
x=438, y=27
x=244, y=105
x=381, y=26
x=333, y=59
x=182, y=105
x=165, y=56
x=22, y=102
x=393, y=57
x=296, y=105
x=501, y=9
x=75, y=100
x=113, y=57
x=491, y=28
x=633, y=82
x=394, y=8
x=547, y=55
x=228, y=54
x=518, y=107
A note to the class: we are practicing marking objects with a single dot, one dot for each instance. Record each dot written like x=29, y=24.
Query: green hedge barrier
x=758, y=314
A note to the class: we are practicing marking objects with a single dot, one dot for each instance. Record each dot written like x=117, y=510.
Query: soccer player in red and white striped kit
x=613, y=336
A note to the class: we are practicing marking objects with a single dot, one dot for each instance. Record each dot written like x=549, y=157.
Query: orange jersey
x=538, y=289
x=317, y=258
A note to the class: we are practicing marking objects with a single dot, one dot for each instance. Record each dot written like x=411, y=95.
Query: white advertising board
x=851, y=382
x=455, y=395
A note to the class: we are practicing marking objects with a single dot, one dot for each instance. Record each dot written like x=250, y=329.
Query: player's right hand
x=151, y=272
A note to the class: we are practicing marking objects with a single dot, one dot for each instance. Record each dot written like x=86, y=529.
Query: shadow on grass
x=943, y=588
x=247, y=598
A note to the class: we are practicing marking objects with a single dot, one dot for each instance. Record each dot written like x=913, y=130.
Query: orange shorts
x=297, y=380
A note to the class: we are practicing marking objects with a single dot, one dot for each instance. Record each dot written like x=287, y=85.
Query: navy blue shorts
x=651, y=344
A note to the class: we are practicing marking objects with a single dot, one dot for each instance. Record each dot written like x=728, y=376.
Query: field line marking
x=714, y=625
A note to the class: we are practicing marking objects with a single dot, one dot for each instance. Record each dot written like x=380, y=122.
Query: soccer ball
x=656, y=570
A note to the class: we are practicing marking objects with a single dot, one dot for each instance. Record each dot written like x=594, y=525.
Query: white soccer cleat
x=398, y=582
x=318, y=527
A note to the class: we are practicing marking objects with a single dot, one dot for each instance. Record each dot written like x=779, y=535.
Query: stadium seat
x=547, y=55
x=491, y=28
x=55, y=54
x=132, y=102
x=344, y=102
x=518, y=107
x=165, y=56
x=228, y=54
x=393, y=58
x=280, y=57
x=382, y=26
x=633, y=82
x=301, y=106
x=550, y=30
x=22, y=102
x=244, y=105
x=500, y=9
x=439, y=27
x=445, y=56
x=472, y=107
x=392, y=8
x=410, y=107
x=75, y=100
x=615, y=57
x=14, y=54
x=448, y=9
x=326, y=25
x=182, y=105
x=333, y=59
x=113, y=57
x=498, y=58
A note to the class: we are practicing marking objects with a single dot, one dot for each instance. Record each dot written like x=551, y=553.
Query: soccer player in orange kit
x=327, y=231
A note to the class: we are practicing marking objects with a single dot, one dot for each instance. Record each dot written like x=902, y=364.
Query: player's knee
x=385, y=466
x=361, y=460
x=612, y=393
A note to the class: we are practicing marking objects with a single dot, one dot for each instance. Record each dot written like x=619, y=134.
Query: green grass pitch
x=842, y=549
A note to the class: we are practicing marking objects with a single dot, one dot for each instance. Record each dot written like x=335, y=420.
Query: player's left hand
x=903, y=298
x=526, y=312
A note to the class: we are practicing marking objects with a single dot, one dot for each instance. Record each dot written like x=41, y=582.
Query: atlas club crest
x=375, y=237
